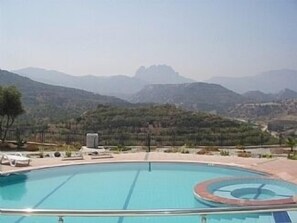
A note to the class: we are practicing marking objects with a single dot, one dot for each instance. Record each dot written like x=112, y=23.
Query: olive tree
x=10, y=108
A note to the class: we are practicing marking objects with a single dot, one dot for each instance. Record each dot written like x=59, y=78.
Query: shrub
x=224, y=153
x=292, y=156
x=41, y=151
x=212, y=149
x=171, y=150
x=68, y=152
x=184, y=151
x=267, y=155
x=204, y=152
x=244, y=154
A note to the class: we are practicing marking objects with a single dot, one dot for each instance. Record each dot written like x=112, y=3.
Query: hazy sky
x=199, y=39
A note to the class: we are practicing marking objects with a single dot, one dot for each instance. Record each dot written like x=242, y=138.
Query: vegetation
x=46, y=104
x=191, y=96
x=291, y=143
x=244, y=153
x=168, y=125
x=63, y=115
x=10, y=108
x=292, y=156
x=224, y=153
x=164, y=125
x=267, y=155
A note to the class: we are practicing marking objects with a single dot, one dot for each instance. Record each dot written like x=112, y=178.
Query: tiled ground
x=279, y=167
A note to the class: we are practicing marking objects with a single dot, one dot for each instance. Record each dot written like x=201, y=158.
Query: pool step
x=293, y=216
x=281, y=217
x=265, y=218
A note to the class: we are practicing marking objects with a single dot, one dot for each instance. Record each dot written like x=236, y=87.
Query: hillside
x=267, y=82
x=192, y=96
x=118, y=85
x=258, y=96
x=167, y=125
x=280, y=115
x=121, y=86
x=47, y=102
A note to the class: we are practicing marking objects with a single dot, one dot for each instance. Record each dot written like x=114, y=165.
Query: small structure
x=92, y=140
x=92, y=147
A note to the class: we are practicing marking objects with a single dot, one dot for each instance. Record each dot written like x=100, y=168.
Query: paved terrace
x=278, y=167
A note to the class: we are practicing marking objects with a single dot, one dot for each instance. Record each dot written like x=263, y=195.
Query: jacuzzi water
x=253, y=193
x=116, y=186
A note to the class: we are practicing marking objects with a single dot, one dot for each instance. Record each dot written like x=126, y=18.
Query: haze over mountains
x=267, y=82
x=121, y=86
x=124, y=86
x=160, y=84
x=43, y=101
x=192, y=96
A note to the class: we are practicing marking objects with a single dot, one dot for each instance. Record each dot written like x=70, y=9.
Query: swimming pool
x=114, y=186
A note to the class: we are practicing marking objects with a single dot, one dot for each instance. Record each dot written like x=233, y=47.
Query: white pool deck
x=278, y=167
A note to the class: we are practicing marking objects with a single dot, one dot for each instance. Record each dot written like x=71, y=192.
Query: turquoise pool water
x=112, y=186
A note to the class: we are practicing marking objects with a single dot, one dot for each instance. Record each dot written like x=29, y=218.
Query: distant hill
x=258, y=96
x=121, y=86
x=267, y=82
x=193, y=96
x=160, y=74
x=286, y=94
x=267, y=111
x=44, y=102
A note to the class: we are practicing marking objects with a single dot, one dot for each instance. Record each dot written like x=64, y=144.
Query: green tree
x=10, y=108
x=291, y=143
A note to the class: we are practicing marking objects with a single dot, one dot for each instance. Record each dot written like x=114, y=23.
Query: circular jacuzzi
x=246, y=191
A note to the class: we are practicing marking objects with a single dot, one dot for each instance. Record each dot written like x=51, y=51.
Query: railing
x=203, y=213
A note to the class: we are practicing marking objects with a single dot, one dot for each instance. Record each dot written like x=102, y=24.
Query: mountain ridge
x=121, y=86
x=48, y=101
x=193, y=96
x=268, y=82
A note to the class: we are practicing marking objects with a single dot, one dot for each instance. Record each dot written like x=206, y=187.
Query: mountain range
x=123, y=86
x=46, y=103
x=160, y=84
x=43, y=101
x=267, y=82
x=192, y=96
x=120, y=86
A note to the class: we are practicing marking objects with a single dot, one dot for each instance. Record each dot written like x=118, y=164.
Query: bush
x=120, y=149
x=224, y=153
x=204, y=152
x=292, y=156
x=212, y=149
x=68, y=152
x=172, y=150
x=267, y=155
x=244, y=154
x=41, y=151
x=184, y=151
